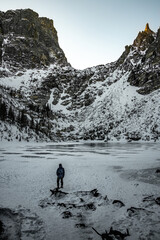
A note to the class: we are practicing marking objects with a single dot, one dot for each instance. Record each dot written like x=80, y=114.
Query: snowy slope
x=128, y=112
x=116, y=111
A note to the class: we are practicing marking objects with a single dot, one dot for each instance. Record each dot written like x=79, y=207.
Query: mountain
x=28, y=41
x=42, y=97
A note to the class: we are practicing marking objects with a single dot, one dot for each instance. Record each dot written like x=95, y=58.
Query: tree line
x=7, y=113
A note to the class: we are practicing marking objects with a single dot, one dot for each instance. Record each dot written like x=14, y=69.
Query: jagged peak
x=144, y=38
x=147, y=29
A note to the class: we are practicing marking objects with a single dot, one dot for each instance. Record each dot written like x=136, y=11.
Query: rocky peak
x=142, y=59
x=28, y=41
x=148, y=30
x=147, y=27
x=144, y=38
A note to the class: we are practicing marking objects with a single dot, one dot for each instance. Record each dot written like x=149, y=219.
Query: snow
x=124, y=172
x=25, y=78
x=57, y=107
x=121, y=102
x=114, y=102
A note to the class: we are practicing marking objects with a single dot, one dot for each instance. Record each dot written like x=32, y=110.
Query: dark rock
x=80, y=225
x=67, y=214
x=118, y=203
x=119, y=234
x=79, y=215
x=145, y=49
x=144, y=39
x=95, y=193
x=71, y=205
x=158, y=171
x=149, y=199
x=134, y=211
x=90, y=206
x=33, y=40
x=157, y=200
x=61, y=205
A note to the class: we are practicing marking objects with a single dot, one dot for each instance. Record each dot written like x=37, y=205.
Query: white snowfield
x=124, y=172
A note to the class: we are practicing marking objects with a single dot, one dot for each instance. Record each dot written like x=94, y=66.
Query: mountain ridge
x=53, y=101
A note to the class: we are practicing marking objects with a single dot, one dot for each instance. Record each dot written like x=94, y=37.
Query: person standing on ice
x=60, y=175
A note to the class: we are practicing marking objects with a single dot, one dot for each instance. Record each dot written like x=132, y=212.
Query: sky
x=93, y=32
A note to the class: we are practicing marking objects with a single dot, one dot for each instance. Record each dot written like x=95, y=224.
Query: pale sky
x=93, y=32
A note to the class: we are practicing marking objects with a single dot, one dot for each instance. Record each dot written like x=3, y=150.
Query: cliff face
x=28, y=41
x=142, y=59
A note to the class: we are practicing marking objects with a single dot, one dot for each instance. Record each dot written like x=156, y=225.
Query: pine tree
x=3, y=111
x=19, y=118
x=48, y=110
x=37, y=128
x=11, y=115
x=24, y=119
x=32, y=125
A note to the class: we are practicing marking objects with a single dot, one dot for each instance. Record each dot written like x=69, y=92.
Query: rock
x=80, y=225
x=157, y=200
x=118, y=203
x=144, y=39
x=147, y=29
x=33, y=42
x=90, y=206
x=119, y=234
x=95, y=193
x=148, y=198
x=61, y=205
x=134, y=211
x=67, y=214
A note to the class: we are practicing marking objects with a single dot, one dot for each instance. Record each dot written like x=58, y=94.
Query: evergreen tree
x=47, y=110
x=37, y=128
x=24, y=119
x=19, y=118
x=32, y=125
x=11, y=115
x=3, y=111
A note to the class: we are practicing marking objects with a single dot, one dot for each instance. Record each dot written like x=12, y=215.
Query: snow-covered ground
x=125, y=172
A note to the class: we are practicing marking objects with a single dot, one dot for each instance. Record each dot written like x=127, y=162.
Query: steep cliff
x=142, y=58
x=28, y=41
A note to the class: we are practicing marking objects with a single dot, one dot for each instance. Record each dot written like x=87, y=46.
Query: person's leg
x=61, y=182
x=57, y=182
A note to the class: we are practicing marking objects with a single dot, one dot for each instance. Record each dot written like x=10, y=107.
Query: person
x=60, y=175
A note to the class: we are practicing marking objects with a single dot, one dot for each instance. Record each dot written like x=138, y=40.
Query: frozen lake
x=125, y=172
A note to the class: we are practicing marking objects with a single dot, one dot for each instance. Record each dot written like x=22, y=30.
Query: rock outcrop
x=142, y=58
x=147, y=29
x=144, y=38
x=28, y=41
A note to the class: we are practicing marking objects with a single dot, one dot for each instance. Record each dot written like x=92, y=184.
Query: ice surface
x=125, y=172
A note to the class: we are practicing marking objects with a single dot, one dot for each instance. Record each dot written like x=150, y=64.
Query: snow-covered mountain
x=43, y=97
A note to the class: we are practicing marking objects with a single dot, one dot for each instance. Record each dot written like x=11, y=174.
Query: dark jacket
x=60, y=172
